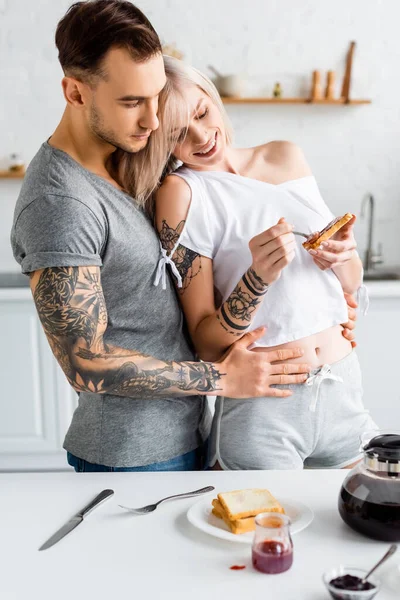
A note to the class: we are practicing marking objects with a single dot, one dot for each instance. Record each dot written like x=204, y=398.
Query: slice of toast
x=237, y=527
x=240, y=504
x=315, y=240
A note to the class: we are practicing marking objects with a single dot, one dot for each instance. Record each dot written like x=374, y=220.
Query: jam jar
x=272, y=550
x=369, y=500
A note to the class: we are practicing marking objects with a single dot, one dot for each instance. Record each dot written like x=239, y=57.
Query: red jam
x=348, y=583
x=272, y=557
x=237, y=567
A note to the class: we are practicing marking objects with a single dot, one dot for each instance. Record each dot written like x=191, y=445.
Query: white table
x=113, y=555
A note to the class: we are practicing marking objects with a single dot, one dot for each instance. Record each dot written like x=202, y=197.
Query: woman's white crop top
x=227, y=210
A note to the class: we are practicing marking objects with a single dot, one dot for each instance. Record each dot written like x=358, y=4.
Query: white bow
x=161, y=273
x=316, y=380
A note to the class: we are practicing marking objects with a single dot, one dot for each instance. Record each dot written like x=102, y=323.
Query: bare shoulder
x=172, y=199
x=173, y=189
x=286, y=156
x=279, y=149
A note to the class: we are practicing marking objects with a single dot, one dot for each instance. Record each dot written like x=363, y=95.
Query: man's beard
x=98, y=128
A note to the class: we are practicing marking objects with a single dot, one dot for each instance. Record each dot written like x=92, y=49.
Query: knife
x=76, y=519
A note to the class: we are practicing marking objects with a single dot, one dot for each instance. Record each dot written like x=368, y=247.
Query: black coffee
x=378, y=515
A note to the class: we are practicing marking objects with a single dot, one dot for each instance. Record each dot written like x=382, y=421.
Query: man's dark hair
x=90, y=29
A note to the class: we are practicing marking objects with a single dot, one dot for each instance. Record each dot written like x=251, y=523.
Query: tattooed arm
x=214, y=329
x=73, y=313
x=72, y=310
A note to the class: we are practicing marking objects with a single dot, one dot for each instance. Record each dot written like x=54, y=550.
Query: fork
x=306, y=235
x=144, y=510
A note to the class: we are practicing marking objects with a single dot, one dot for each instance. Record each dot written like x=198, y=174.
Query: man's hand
x=348, y=328
x=338, y=250
x=251, y=374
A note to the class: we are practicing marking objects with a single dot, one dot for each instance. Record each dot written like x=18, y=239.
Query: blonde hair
x=142, y=173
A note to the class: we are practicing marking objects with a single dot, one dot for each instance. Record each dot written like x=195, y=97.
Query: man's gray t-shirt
x=67, y=216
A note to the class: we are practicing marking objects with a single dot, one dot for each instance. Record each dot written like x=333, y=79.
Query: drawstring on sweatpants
x=316, y=380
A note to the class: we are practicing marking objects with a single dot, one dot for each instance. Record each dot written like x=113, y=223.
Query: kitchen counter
x=383, y=289
x=16, y=286
x=13, y=280
x=113, y=554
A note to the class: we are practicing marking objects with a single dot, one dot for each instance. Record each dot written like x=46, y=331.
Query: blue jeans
x=196, y=460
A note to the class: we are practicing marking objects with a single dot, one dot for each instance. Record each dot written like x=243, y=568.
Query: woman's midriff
x=327, y=346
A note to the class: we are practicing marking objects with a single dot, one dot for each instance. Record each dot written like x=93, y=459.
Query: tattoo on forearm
x=235, y=333
x=201, y=377
x=89, y=355
x=239, y=306
x=73, y=313
x=230, y=323
x=254, y=283
x=187, y=261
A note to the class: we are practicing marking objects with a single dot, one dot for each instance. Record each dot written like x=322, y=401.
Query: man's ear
x=75, y=92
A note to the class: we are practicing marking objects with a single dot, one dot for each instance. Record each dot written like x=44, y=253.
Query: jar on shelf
x=277, y=91
x=16, y=164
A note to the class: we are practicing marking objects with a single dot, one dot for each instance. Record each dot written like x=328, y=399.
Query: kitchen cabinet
x=37, y=403
x=378, y=338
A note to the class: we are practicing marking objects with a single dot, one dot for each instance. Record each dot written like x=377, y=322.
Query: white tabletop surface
x=114, y=555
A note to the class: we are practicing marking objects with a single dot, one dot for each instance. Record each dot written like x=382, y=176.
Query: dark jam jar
x=351, y=583
x=272, y=550
x=369, y=500
x=272, y=557
x=346, y=583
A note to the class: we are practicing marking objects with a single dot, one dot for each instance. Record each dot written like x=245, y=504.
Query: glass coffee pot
x=369, y=500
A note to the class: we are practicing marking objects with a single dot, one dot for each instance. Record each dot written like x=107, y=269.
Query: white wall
x=352, y=150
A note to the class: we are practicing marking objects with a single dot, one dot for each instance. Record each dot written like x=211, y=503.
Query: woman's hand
x=338, y=250
x=348, y=328
x=272, y=250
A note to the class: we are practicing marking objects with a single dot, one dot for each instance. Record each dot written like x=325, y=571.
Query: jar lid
x=384, y=447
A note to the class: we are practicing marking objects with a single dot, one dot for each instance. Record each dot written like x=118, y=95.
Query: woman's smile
x=209, y=149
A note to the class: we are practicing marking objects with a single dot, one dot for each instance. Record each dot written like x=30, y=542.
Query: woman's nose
x=199, y=134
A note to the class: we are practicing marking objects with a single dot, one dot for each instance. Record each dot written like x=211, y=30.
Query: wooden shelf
x=12, y=174
x=235, y=100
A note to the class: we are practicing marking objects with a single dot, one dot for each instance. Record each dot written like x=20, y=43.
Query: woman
x=225, y=220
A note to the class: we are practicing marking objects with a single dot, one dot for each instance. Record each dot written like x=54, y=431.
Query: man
x=91, y=254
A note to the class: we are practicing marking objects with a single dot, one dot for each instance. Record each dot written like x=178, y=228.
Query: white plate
x=200, y=516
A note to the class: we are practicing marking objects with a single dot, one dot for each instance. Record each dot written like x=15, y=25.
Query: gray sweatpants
x=319, y=426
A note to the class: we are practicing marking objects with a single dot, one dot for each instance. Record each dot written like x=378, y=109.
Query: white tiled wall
x=353, y=150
